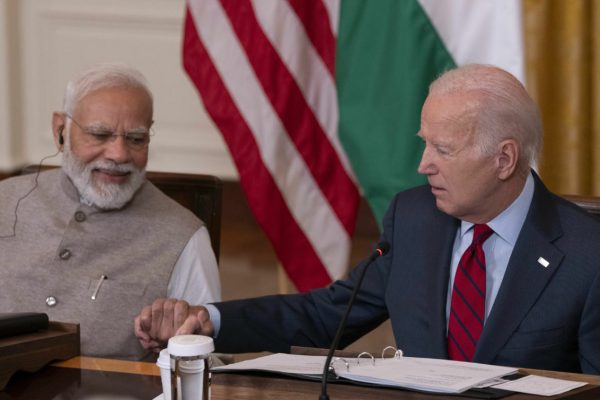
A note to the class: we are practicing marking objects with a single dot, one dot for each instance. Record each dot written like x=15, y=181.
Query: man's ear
x=58, y=127
x=508, y=158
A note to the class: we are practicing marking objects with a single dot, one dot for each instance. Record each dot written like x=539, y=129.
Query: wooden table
x=82, y=377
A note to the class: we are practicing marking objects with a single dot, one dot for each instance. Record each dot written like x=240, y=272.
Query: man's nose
x=117, y=150
x=426, y=166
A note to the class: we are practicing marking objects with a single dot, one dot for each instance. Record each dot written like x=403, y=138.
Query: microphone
x=382, y=249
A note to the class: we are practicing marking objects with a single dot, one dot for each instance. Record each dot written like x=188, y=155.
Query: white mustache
x=103, y=195
x=111, y=166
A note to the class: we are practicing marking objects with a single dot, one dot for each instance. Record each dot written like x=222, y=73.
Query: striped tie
x=467, y=309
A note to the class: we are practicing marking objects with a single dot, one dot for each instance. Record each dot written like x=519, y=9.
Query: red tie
x=467, y=309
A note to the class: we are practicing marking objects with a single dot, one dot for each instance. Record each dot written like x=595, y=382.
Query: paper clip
x=397, y=352
x=365, y=353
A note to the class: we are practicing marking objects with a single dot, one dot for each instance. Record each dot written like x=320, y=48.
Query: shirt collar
x=509, y=222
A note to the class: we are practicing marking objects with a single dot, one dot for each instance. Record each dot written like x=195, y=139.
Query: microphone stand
x=382, y=248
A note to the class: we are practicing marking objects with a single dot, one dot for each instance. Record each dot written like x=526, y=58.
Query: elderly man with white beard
x=93, y=241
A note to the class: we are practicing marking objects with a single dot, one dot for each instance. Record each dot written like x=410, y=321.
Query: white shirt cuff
x=215, y=317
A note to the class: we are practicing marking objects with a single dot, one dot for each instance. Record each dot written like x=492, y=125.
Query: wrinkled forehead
x=460, y=111
x=125, y=99
x=78, y=92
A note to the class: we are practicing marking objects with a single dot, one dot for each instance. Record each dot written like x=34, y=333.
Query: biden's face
x=463, y=179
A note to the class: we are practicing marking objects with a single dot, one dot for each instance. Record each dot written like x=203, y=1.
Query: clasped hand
x=166, y=318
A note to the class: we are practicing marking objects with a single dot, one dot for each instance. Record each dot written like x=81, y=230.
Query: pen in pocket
x=95, y=294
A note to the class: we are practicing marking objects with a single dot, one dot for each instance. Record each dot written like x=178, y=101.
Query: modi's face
x=106, y=147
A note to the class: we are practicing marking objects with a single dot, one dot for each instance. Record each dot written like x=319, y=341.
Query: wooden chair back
x=201, y=194
x=589, y=203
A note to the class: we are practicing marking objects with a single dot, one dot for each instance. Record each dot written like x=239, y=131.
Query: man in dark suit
x=485, y=264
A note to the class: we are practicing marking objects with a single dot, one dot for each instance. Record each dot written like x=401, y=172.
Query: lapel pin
x=543, y=262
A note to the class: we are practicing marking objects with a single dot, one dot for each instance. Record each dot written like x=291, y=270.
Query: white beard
x=107, y=196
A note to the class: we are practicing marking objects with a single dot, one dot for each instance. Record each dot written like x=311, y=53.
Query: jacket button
x=80, y=216
x=64, y=254
x=51, y=301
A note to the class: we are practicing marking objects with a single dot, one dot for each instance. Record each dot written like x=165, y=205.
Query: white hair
x=103, y=76
x=503, y=109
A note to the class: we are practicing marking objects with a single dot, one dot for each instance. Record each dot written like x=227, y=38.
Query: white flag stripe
x=286, y=33
x=333, y=9
x=485, y=32
x=303, y=196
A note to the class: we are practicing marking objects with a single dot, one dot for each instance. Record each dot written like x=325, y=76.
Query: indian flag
x=319, y=102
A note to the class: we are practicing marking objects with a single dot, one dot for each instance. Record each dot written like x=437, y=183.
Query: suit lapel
x=525, y=276
x=417, y=297
x=436, y=266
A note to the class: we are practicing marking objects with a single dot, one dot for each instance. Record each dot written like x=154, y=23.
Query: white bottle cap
x=190, y=345
x=163, y=361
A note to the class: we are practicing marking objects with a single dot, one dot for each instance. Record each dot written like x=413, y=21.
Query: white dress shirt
x=498, y=248
x=195, y=277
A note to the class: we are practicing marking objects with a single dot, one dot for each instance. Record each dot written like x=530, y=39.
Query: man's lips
x=436, y=189
x=112, y=176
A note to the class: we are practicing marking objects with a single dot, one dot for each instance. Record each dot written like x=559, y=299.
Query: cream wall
x=43, y=43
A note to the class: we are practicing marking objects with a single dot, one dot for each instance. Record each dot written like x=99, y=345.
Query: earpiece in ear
x=61, y=139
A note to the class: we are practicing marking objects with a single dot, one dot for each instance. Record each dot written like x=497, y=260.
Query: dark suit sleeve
x=274, y=323
x=589, y=331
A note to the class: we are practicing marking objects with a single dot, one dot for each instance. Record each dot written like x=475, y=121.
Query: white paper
x=434, y=375
x=540, y=385
x=282, y=363
x=427, y=374
x=491, y=382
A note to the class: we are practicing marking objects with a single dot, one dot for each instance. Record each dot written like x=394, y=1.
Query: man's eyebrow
x=443, y=145
x=139, y=129
x=98, y=125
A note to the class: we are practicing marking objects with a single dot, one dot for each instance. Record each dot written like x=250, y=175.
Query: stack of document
x=423, y=374
x=431, y=375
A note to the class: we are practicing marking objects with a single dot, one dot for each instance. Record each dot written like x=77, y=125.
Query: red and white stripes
x=265, y=70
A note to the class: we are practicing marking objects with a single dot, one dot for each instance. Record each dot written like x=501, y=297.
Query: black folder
x=12, y=324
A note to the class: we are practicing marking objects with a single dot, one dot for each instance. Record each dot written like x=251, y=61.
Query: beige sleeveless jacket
x=61, y=248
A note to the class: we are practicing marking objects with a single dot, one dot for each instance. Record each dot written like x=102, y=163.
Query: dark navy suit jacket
x=543, y=317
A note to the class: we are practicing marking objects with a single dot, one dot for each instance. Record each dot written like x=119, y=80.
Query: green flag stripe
x=387, y=54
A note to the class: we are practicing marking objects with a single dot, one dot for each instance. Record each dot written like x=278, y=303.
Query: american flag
x=265, y=70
